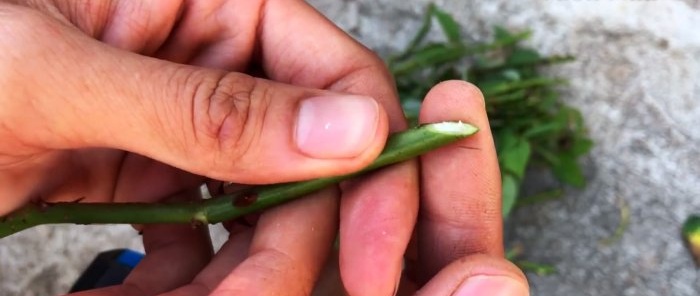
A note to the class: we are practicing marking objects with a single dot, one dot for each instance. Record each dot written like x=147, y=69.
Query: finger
x=138, y=26
x=477, y=275
x=231, y=254
x=202, y=38
x=290, y=246
x=377, y=216
x=460, y=211
x=227, y=126
x=174, y=256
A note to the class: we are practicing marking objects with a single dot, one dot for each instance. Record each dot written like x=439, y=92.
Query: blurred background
x=635, y=80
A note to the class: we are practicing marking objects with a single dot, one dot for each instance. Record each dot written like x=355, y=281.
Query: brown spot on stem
x=245, y=199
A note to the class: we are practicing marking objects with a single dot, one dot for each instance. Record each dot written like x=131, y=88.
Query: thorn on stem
x=245, y=199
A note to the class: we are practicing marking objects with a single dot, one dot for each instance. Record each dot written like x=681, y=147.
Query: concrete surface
x=637, y=81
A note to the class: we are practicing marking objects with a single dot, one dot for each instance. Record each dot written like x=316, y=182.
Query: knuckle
x=229, y=112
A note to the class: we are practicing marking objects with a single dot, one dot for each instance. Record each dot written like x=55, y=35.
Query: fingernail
x=491, y=285
x=336, y=126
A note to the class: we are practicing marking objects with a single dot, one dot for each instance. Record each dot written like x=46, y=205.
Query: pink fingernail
x=336, y=126
x=491, y=285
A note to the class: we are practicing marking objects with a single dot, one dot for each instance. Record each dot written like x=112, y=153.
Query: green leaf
x=569, y=171
x=484, y=62
x=691, y=235
x=543, y=130
x=538, y=268
x=500, y=33
x=540, y=197
x=428, y=57
x=504, y=138
x=448, y=24
x=523, y=56
x=510, y=97
x=511, y=74
x=506, y=38
x=411, y=109
x=510, y=188
x=581, y=146
x=514, y=158
x=507, y=86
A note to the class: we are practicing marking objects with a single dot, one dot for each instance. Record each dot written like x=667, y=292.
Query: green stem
x=399, y=147
x=430, y=57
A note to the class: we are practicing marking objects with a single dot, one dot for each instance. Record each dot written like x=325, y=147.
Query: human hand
x=103, y=122
x=458, y=245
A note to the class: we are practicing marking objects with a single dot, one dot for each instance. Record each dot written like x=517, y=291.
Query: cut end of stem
x=453, y=128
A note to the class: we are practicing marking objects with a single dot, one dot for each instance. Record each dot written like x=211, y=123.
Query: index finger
x=460, y=211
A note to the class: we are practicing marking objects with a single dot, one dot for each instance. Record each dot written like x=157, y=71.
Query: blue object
x=107, y=269
x=130, y=258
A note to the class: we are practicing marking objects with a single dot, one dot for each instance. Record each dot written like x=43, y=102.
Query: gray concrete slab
x=637, y=81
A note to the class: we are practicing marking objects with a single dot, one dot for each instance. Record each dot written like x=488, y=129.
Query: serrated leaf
x=448, y=24
x=510, y=188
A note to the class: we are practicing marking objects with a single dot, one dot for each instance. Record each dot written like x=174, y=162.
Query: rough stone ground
x=637, y=81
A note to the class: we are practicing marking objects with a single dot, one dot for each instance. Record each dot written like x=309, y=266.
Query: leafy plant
x=530, y=124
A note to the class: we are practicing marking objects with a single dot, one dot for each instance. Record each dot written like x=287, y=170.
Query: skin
x=160, y=95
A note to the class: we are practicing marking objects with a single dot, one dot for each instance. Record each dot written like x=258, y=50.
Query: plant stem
x=399, y=147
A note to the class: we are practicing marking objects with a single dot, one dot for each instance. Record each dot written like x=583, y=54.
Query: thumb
x=476, y=275
x=61, y=89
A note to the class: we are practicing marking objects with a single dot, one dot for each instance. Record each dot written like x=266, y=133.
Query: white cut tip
x=457, y=128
